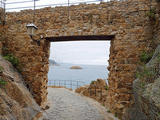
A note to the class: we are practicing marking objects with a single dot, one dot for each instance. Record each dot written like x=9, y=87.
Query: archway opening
x=78, y=63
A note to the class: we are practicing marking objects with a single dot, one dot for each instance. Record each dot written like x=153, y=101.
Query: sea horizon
x=87, y=74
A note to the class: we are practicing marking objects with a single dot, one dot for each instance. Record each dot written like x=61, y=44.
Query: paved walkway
x=68, y=105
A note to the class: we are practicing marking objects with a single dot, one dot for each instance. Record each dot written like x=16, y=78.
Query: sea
x=62, y=75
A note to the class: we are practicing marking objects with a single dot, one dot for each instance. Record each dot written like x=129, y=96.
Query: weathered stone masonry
x=127, y=20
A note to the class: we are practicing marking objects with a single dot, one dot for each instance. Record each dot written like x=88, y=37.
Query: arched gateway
x=125, y=22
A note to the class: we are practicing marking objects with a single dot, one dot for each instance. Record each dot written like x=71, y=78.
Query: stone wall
x=146, y=94
x=127, y=20
x=33, y=62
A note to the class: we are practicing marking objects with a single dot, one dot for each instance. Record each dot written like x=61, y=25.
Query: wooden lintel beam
x=80, y=38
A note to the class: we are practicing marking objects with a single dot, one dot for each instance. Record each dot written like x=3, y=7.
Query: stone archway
x=126, y=20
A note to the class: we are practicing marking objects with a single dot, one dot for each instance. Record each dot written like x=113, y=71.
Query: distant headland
x=53, y=62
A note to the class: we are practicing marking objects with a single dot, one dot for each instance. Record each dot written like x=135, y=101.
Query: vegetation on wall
x=146, y=74
x=1, y=69
x=2, y=83
x=151, y=14
x=145, y=57
x=92, y=82
x=107, y=87
x=14, y=60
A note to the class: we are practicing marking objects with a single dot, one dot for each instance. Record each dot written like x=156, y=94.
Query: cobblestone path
x=68, y=105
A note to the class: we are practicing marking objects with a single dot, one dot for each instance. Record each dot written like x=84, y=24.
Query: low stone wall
x=96, y=90
x=33, y=64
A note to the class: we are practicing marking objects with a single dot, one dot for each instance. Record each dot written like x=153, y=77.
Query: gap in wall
x=91, y=58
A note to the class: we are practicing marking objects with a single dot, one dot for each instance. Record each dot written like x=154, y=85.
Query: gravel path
x=68, y=105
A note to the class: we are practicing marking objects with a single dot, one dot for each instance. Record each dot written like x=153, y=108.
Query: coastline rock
x=146, y=94
x=53, y=62
x=16, y=102
x=81, y=90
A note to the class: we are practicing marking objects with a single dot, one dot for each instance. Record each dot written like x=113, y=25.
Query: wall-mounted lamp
x=31, y=29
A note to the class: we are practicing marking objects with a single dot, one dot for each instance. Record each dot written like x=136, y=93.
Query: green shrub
x=11, y=59
x=145, y=57
x=146, y=74
x=143, y=74
x=142, y=85
x=106, y=87
x=116, y=114
x=1, y=69
x=152, y=14
x=108, y=111
x=92, y=82
x=2, y=82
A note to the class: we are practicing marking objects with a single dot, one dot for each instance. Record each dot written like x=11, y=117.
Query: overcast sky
x=87, y=52
x=39, y=2
x=45, y=2
x=72, y=52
